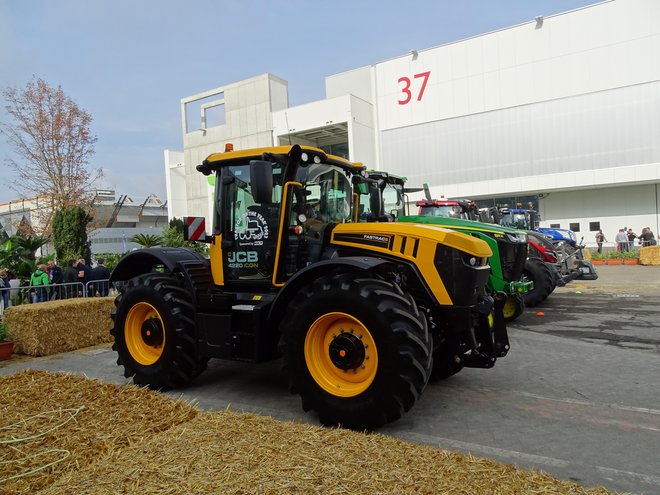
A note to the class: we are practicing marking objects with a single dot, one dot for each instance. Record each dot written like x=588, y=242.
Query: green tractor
x=509, y=245
x=362, y=313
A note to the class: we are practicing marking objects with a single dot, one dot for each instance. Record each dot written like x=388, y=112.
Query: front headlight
x=470, y=260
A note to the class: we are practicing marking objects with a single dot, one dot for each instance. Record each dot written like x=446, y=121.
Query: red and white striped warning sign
x=195, y=228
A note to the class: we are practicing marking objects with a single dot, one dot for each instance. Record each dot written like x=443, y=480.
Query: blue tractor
x=570, y=253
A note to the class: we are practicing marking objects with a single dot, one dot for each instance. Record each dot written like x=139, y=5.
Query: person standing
x=101, y=275
x=4, y=284
x=646, y=238
x=621, y=240
x=40, y=281
x=85, y=276
x=56, y=278
x=70, y=279
x=631, y=239
x=600, y=238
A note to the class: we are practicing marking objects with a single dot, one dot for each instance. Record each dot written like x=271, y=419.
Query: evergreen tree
x=70, y=234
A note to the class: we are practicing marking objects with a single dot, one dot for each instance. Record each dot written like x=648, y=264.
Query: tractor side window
x=251, y=227
x=392, y=202
x=326, y=198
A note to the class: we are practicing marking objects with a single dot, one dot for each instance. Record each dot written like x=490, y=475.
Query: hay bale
x=133, y=441
x=238, y=453
x=59, y=326
x=84, y=420
x=649, y=255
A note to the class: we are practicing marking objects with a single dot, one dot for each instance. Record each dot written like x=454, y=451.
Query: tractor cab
x=383, y=196
x=273, y=211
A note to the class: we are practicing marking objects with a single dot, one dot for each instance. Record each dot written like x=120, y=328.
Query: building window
x=575, y=227
x=555, y=226
x=594, y=226
x=205, y=112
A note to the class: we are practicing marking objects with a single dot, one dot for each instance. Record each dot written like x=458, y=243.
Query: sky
x=130, y=62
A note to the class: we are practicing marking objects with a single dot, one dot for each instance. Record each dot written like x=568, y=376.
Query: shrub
x=4, y=333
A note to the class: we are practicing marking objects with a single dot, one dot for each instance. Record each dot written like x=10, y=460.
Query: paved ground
x=578, y=396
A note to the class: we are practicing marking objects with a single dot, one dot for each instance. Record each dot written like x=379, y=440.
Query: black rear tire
x=157, y=345
x=390, y=372
x=539, y=273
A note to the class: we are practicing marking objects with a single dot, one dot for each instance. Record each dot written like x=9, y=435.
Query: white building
x=563, y=111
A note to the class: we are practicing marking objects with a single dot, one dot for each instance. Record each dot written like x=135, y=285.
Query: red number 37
x=407, y=94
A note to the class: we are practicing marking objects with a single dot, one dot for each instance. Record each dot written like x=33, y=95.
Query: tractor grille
x=512, y=258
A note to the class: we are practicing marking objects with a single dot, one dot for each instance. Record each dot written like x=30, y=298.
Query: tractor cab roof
x=280, y=154
x=390, y=178
x=437, y=202
x=465, y=203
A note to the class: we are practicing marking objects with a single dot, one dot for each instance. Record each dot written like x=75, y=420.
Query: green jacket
x=39, y=278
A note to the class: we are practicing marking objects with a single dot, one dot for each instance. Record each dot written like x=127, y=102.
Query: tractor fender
x=315, y=271
x=143, y=261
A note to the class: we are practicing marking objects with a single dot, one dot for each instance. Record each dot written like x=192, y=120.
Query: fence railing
x=28, y=294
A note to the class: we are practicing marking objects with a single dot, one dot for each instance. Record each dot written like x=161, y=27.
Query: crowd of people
x=625, y=239
x=50, y=282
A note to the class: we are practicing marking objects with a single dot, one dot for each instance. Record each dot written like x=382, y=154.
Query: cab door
x=249, y=229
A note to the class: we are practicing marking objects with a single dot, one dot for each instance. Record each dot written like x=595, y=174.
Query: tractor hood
x=558, y=234
x=390, y=236
x=458, y=223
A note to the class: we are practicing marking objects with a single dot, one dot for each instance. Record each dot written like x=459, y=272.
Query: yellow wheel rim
x=341, y=354
x=510, y=307
x=144, y=333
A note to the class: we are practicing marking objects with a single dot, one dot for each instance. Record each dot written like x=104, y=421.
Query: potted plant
x=6, y=345
x=615, y=258
x=630, y=258
x=598, y=258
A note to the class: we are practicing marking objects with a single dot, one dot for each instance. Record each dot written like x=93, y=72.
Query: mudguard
x=317, y=270
x=146, y=260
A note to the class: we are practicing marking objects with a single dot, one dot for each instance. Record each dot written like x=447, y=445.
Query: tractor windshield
x=393, y=203
x=451, y=211
x=517, y=220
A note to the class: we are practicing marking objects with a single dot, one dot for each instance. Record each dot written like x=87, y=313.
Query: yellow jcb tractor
x=354, y=308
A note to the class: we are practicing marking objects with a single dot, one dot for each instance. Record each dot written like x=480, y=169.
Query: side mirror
x=261, y=181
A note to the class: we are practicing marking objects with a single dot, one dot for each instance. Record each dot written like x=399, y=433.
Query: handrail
x=21, y=294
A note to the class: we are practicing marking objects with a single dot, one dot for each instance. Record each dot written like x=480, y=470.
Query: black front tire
x=174, y=362
x=400, y=343
x=542, y=276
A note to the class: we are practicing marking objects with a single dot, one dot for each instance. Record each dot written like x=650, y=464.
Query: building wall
x=247, y=108
x=608, y=45
x=356, y=82
x=175, y=182
x=534, y=147
x=634, y=207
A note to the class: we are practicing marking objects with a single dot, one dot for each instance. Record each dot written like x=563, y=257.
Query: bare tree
x=50, y=134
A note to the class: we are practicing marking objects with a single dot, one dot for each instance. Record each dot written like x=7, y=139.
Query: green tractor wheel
x=358, y=350
x=154, y=332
